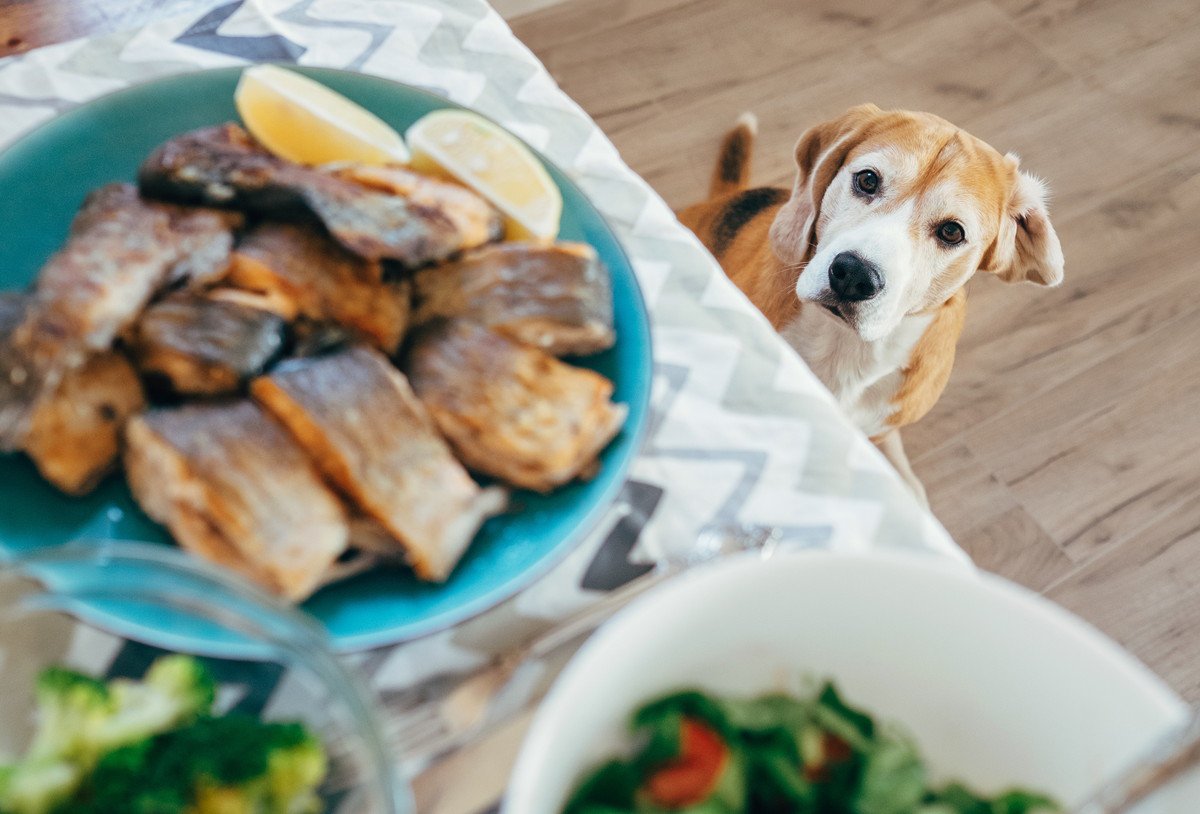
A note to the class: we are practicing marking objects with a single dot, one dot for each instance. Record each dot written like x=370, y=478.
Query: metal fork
x=445, y=712
x=1167, y=761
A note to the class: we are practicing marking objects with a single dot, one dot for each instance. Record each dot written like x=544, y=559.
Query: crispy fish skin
x=319, y=339
x=116, y=258
x=121, y=251
x=192, y=244
x=203, y=345
x=205, y=240
x=359, y=420
x=323, y=282
x=378, y=227
x=233, y=487
x=224, y=166
x=557, y=298
x=510, y=410
x=12, y=311
x=19, y=388
x=74, y=435
x=475, y=219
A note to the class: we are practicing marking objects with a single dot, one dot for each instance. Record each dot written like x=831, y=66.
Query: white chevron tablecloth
x=740, y=429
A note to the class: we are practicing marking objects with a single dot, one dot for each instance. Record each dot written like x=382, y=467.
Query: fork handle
x=1164, y=763
x=592, y=616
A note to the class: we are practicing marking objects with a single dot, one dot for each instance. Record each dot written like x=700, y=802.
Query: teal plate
x=45, y=176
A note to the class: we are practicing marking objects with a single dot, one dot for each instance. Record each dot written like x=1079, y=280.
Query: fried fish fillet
x=120, y=252
x=475, y=219
x=235, y=488
x=359, y=420
x=557, y=298
x=12, y=311
x=195, y=344
x=323, y=282
x=224, y=166
x=205, y=239
x=74, y=433
x=319, y=338
x=200, y=239
x=510, y=410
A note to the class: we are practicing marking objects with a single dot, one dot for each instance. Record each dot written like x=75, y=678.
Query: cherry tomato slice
x=690, y=778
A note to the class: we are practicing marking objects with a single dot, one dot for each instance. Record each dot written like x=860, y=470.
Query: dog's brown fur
x=734, y=223
x=764, y=238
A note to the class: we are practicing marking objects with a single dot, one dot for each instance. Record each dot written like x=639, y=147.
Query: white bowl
x=999, y=686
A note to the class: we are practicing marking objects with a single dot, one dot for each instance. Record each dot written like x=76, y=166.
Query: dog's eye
x=866, y=182
x=951, y=233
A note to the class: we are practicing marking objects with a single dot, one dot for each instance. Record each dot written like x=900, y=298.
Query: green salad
x=777, y=755
x=155, y=747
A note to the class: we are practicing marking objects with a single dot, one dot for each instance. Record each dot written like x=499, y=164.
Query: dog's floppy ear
x=819, y=155
x=1027, y=247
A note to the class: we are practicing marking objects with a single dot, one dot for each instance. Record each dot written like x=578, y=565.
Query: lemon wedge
x=491, y=161
x=303, y=121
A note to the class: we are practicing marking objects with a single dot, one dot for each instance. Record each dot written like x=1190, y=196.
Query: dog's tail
x=733, y=164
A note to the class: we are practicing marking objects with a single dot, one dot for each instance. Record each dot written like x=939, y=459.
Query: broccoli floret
x=293, y=774
x=152, y=747
x=69, y=706
x=175, y=691
x=123, y=781
x=222, y=800
x=288, y=787
x=187, y=679
x=224, y=765
x=37, y=786
x=80, y=718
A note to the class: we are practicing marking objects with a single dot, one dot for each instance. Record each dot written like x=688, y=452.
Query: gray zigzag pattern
x=675, y=377
x=102, y=57
x=825, y=473
x=52, y=102
x=505, y=75
x=298, y=14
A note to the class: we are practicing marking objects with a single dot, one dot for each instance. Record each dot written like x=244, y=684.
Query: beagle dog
x=862, y=265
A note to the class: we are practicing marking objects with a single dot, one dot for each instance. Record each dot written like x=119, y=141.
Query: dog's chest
x=863, y=376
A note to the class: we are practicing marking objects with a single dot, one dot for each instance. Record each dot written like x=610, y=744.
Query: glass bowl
x=52, y=612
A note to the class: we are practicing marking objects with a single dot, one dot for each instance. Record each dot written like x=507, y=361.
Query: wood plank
x=1146, y=595
x=1084, y=35
x=1083, y=139
x=1161, y=79
x=980, y=512
x=565, y=21
x=666, y=103
x=1101, y=454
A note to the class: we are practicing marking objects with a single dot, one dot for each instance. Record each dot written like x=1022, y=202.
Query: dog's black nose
x=854, y=279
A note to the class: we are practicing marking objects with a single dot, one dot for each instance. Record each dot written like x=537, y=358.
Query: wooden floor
x=1065, y=453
